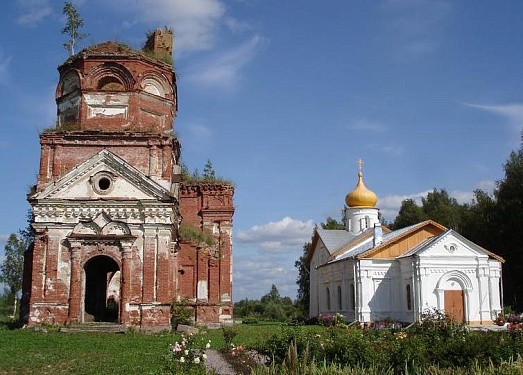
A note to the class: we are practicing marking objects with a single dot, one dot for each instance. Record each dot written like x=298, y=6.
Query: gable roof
x=116, y=165
x=425, y=229
x=425, y=245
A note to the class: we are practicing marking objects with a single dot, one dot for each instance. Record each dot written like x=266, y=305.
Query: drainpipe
x=378, y=234
x=501, y=282
x=354, y=289
x=357, y=289
x=415, y=315
x=417, y=286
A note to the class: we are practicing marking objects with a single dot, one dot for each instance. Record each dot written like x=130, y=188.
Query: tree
x=12, y=268
x=72, y=27
x=442, y=208
x=438, y=205
x=409, y=214
x=303, y=280
x=272, y=296
x=509, y=195
x=481, y=222
x=208, y=172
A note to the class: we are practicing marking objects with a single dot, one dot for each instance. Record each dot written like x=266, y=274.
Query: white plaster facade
x=370, y=273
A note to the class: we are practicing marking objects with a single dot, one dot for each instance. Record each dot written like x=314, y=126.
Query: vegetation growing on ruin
x=208, y=175
x=193, y=234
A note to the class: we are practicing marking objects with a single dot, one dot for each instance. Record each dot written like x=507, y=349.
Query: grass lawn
x=24, y=351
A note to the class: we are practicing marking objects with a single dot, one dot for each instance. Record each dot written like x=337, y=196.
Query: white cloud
x=389, y=206
x=199, y=131
x=4, y=67
x=512, y=112
x=237, y=26
x=367, y=126
x=223, y=69
x=417, y=26
x=487, y=186
x=278, y=236
x=195, y=22
x=33, y=11
x=254, y=276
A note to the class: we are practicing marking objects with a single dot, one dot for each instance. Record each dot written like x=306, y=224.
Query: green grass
x=25, y=351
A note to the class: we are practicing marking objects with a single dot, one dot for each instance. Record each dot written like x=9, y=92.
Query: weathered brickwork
x=205, y=271
x=109, y=200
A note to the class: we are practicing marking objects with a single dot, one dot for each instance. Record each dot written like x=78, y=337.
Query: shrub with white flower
x=187, y=356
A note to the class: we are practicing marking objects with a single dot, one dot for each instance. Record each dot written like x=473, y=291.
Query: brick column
x=38, y=266
x=75, y=287
x=149, y=265
x=125, y=284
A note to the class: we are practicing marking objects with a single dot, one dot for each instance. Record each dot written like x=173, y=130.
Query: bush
x=250, y=320
x=435, y=343
x=187, y=357
x=181, y=313
x=229, y=333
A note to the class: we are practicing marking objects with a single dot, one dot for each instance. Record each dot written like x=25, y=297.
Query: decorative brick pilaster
x=75, y=287
x=125, y=284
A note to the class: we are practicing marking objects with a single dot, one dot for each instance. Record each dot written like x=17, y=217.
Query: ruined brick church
x=110, y=203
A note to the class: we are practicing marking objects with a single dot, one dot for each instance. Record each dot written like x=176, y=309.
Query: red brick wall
x=208, y=207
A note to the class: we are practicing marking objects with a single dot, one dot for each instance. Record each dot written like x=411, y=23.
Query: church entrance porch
x=102, y=290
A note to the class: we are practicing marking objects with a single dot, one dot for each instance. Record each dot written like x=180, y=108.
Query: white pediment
x=106, y=177
x=452, y=245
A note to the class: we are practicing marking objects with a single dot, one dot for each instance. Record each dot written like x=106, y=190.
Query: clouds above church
x=416, y=28
x=512, y=112
x=199, y=26
x=196, y=23
x=32, y=11
x=277, y=236
x=223, y=69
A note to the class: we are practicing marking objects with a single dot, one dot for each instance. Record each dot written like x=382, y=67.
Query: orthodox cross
x=360, y=165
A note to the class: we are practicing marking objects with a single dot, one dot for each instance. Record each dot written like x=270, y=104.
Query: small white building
x=367, y=272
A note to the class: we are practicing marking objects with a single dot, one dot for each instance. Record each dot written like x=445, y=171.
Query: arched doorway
x=102, y=290
x=452, y=295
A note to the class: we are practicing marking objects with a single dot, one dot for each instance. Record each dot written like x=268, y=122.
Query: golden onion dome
x=361, y=196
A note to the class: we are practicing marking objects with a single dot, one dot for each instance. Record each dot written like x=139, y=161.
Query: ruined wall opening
x=102, y=292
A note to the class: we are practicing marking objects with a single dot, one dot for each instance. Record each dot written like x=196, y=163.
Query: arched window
x=110, y=83
x=328, y=296
x=340, y=304
x=409, y=297
x=70, y=83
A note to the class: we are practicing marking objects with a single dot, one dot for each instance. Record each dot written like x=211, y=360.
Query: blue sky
x=285, y=96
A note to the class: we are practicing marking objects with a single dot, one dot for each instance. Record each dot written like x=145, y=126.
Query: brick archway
x=99, y=306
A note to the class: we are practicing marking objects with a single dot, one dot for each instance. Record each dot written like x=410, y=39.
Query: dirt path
x=215, y=362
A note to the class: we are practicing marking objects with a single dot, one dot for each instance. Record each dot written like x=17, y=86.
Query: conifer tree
x=208, y=171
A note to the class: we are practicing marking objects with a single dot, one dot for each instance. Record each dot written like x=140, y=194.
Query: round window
x=102, y=182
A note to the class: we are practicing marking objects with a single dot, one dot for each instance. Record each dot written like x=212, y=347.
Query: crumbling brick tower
x=107, y=205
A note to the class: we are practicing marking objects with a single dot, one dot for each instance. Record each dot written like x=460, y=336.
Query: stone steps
x=94, y=327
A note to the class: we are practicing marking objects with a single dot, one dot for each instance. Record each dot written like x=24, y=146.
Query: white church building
x=367, y=272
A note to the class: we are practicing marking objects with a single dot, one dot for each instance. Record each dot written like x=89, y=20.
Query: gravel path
x=215, y=362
